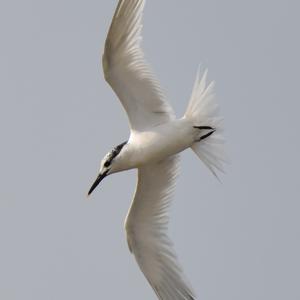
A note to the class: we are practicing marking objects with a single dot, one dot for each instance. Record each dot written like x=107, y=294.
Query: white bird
x=156, y=138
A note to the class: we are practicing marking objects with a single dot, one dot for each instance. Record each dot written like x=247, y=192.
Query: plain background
x=236, y=240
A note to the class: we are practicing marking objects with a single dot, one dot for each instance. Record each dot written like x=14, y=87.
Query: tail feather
x=203, y=111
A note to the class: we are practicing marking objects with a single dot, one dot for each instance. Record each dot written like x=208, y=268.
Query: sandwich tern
x=156, y=138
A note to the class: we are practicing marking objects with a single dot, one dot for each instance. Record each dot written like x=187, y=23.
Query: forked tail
x=203, y=112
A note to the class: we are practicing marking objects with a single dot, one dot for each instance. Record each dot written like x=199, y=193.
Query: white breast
x=160, y=142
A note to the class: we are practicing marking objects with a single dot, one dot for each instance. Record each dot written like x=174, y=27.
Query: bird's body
x=156, y=138
x=158, y=143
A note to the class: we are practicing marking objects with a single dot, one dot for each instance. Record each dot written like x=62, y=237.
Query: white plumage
x=156, y=139
x=127, y=72
x=146, y=227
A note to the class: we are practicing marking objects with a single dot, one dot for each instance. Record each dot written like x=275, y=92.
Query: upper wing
x=127, y=72
x=146, y=226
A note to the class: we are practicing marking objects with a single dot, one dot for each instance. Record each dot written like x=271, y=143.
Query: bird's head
x=111, y=163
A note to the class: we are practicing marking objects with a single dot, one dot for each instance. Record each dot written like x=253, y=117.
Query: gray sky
x=236, y=240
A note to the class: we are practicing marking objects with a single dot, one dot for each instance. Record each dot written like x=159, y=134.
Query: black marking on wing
x=206, y=135
x=204, y=127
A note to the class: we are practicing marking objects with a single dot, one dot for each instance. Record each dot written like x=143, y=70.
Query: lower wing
x=146, y=226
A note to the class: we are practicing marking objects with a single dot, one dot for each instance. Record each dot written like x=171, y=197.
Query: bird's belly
x=161, y=142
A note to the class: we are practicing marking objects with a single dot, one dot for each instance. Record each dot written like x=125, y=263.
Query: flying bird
x=156, y=139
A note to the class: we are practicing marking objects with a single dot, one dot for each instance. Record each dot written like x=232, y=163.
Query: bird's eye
x=106, y=164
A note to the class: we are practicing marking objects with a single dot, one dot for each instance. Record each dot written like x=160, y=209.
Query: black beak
x=97, y=181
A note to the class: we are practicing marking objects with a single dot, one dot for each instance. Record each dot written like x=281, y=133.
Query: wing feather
x=146, y=226
x=127, y=72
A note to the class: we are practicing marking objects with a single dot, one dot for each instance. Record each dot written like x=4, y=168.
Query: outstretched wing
x=146, y=226
x=128, y=73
